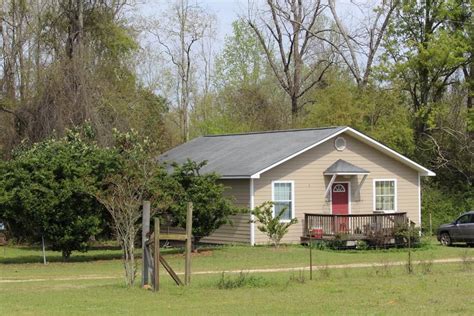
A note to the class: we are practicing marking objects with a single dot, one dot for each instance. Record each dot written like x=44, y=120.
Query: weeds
x=298, y=278
x=241, y=280
x=383, y=269
x=324, y=272
x=426, y=266
x=467, y=261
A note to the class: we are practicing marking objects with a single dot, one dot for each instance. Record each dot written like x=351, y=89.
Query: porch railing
x=358, y=226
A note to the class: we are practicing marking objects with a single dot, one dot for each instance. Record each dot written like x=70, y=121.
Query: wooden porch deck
x=376, y=228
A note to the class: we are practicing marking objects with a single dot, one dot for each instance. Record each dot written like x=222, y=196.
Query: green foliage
x=247, y=98
x=381, y=114
x=242, y=60
x=423, y=51
x=405, y=233
x=362, y=245
x=123, y=192
x=241, y=280
x=43, y=190
x=272, y=224
x=444, y=206
x=211, y=208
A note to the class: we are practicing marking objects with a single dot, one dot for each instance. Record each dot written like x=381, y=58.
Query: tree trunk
x=129, y=263
x=8, y=39
x=294, y=109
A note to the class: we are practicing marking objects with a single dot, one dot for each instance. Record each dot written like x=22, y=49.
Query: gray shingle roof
x=342, y=166
x=242, y=155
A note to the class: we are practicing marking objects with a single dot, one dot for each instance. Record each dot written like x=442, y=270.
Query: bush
x=271, y=224
x=403, y=233
x=362, y=245
x=211, y=209
x=44, y=191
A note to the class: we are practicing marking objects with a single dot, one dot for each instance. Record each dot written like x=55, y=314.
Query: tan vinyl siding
x=239, y=231
x=306, y=170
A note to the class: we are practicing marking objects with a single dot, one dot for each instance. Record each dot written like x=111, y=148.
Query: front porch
x=378, y=229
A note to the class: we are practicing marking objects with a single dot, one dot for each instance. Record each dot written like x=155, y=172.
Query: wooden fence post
x=145, y=231
x=189, y=227
x=156, y=254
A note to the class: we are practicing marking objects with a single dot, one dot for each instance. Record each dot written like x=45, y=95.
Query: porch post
x=328, y=189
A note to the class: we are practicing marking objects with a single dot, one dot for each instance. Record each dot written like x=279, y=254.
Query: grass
x=432, y=288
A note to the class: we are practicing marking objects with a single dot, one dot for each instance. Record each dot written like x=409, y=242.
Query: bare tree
x=293, y=27
x=359, y=48
x=125, y=191
x=183, y=26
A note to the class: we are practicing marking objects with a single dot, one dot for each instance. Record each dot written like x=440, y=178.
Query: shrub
x=44, y=190
x=271, y=224
x=211, y=209
x=362, y=245
x=404, y=232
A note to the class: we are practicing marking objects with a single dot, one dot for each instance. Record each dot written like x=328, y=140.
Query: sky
x=228, y=11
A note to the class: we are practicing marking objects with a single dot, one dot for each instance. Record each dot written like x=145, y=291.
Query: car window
x=464, y=219
x=472, y=219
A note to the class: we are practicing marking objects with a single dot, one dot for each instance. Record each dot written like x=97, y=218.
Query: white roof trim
x=345, y=173
x=423, y=171
x=364, y=138
x=235, y=177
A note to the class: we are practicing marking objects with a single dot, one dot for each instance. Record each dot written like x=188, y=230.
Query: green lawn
x=448, y=288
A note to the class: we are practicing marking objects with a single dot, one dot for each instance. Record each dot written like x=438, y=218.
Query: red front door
x=340, y=206
x=340, y=198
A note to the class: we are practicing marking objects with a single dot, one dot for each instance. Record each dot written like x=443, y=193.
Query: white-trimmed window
x=385, y=195
x=283, y=198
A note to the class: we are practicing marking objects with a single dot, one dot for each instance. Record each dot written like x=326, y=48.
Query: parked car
x=461, y=230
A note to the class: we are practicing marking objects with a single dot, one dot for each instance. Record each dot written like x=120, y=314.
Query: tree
x=359, y=48
x=246, y=96
x=426, y=53
x=242, y=60
x=124, y=191
x=67, y=61
x=211, y=209
x=181, y=29
x=271, y=224
x=380, y=113
x=298, y=63
x=44, y=191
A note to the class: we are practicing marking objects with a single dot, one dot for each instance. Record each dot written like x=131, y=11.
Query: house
x=333, y=170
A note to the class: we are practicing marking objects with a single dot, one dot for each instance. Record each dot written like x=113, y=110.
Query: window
x=385, y=195
x=466, y=219
x=340, y=143
x=339, y=188
x=283, y=198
